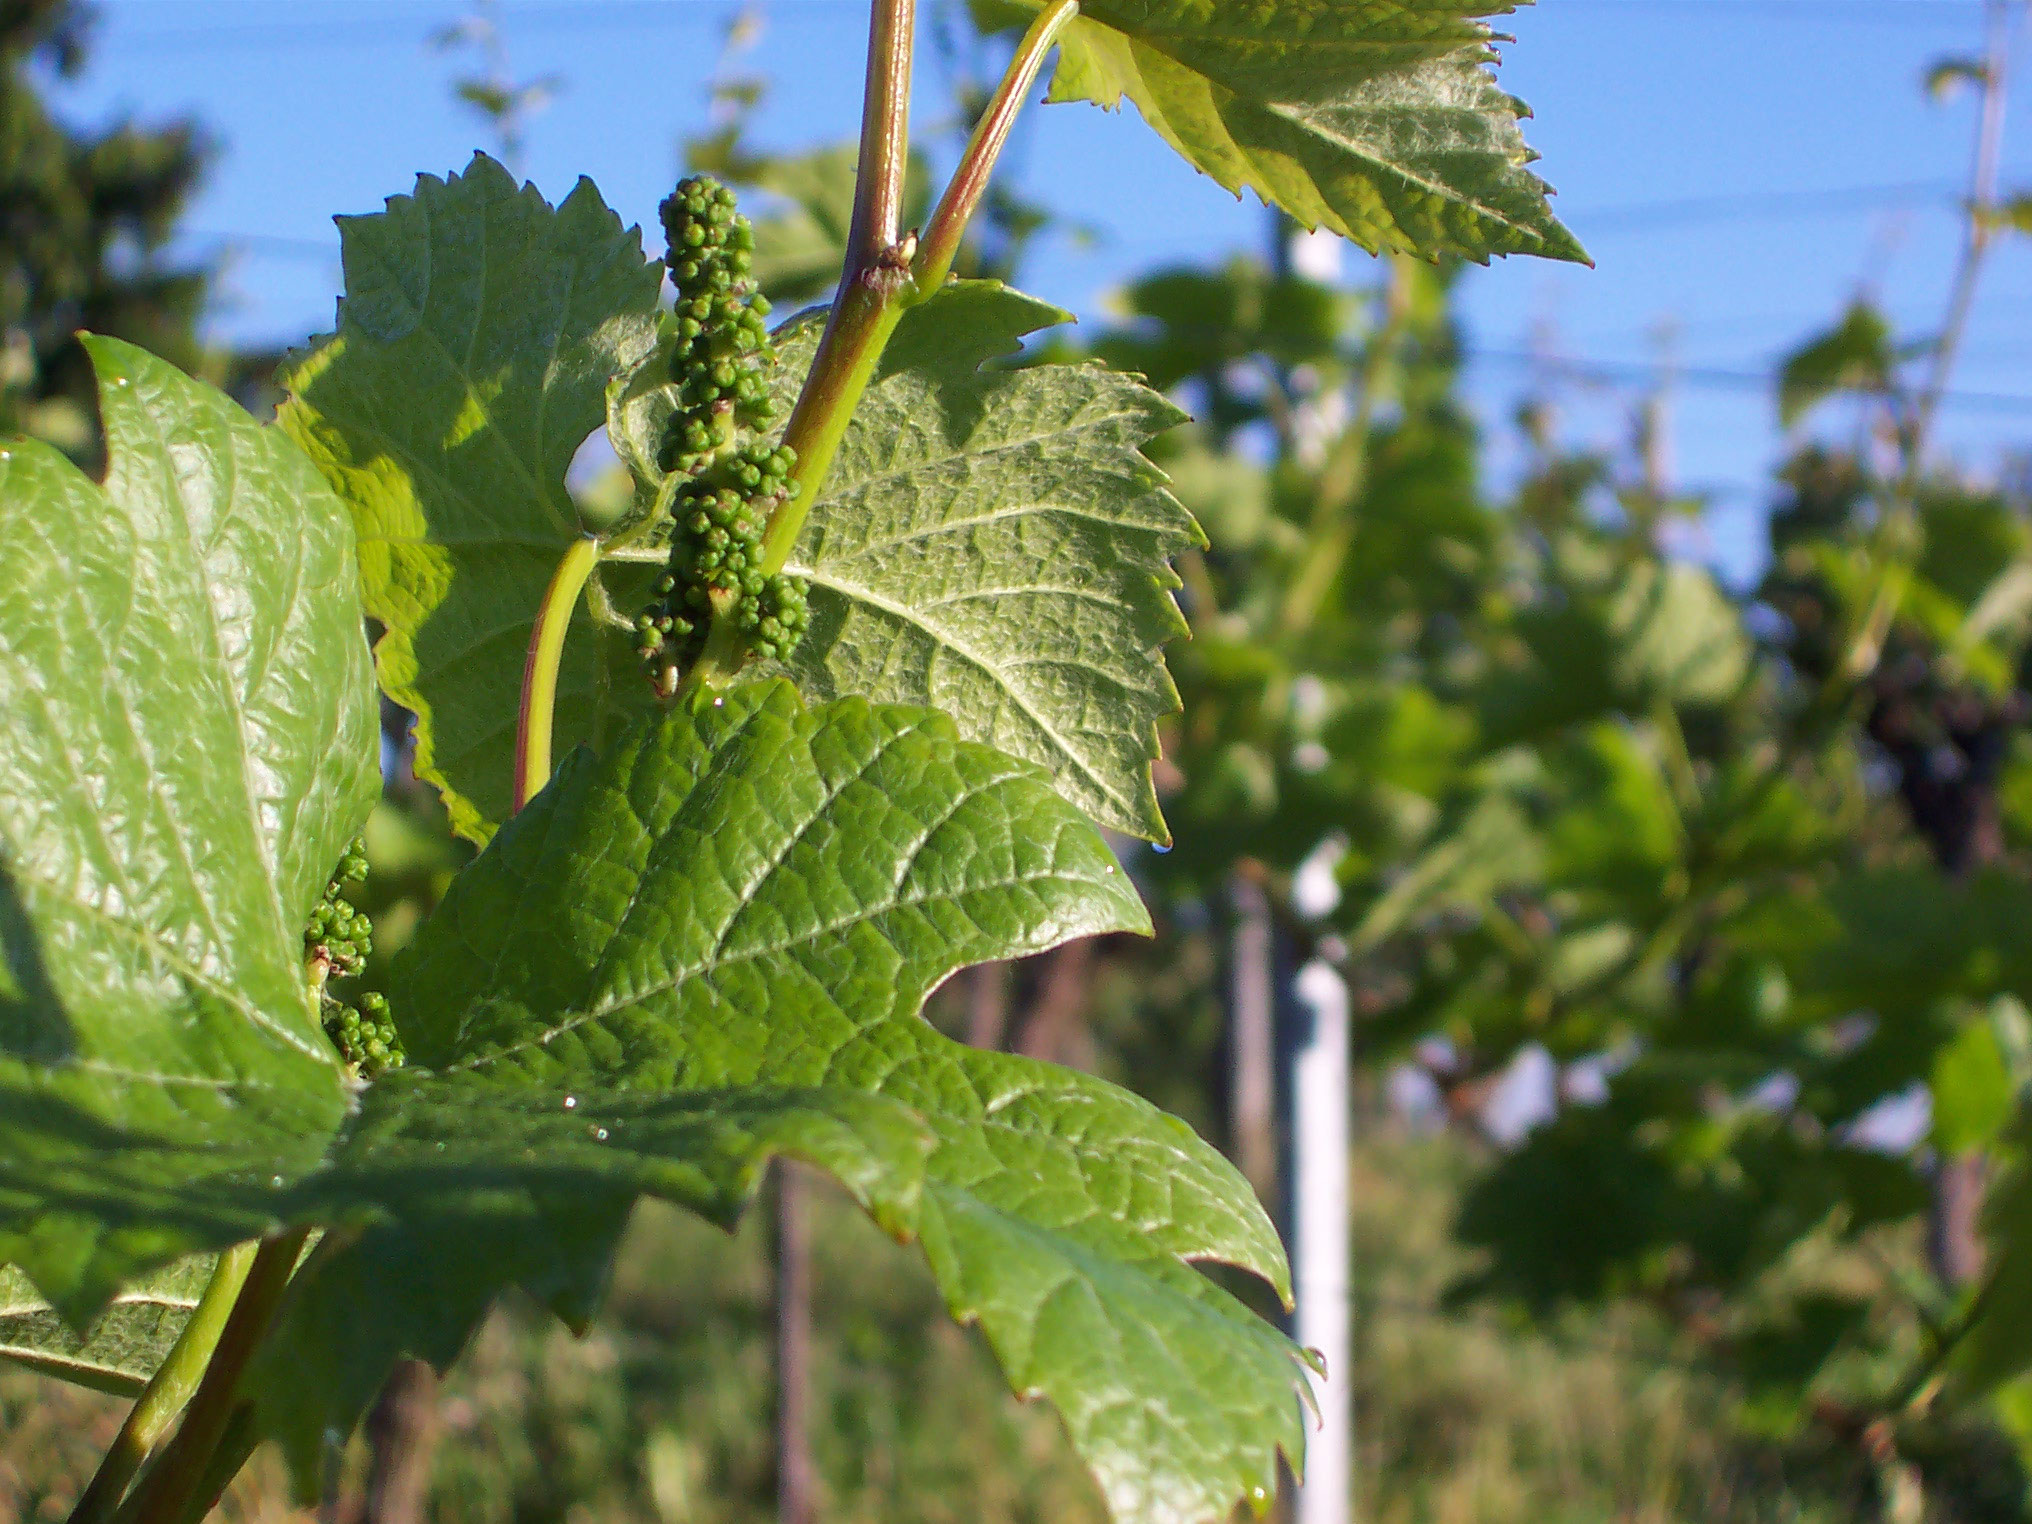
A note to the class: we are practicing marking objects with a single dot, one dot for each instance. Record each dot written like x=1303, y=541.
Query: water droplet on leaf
x=571, y=1103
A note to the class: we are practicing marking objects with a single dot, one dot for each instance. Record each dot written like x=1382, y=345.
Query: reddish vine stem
x=948, y=225
x=885, y=272
x=865, y=309
x=885, y=136
x=864, y=312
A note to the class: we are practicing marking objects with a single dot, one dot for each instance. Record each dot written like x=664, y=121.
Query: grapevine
x=706, y=941
x=720, y=368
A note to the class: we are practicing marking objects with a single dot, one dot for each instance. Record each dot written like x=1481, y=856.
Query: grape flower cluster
x=336, y=943
x=720, y=367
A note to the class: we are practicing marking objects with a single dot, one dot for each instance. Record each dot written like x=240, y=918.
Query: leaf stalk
x=168, y=1390
x=165, y=1493
x=534, y=723
x=948, y=225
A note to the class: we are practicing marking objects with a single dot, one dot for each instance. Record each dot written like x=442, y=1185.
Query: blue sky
x=1704, y=150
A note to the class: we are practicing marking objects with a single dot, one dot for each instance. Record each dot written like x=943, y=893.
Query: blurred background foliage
x=1686, y=924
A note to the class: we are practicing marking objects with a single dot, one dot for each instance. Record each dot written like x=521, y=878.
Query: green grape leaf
x=186, y=688
x=991, y=542
x=122, y=1349
x=1378, y=119
x=749, y=893
x=461, y=1185
x=1622, y=640
x=191, y=741
x=479, y=334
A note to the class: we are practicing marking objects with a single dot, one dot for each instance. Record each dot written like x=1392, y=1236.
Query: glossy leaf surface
x=171, y=812
x=191, y=742
x=771, y=894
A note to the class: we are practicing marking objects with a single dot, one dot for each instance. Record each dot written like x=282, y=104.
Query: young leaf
x=1973, y=1092
x=479, y=333
x=1378, y=119
x=748, y=893
x=991, y=543
x=191, y=742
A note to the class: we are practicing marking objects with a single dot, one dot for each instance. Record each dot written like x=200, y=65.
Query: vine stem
x=885, y=136
x=1927, y=1370
x=1866, y=647
x=168, y=1390
x=533, y=724
x=1981, y=229
x=165, y=1493
x=866, y=309
x=886, y=270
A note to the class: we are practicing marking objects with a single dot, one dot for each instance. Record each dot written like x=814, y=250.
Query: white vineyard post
x=1321, y=1251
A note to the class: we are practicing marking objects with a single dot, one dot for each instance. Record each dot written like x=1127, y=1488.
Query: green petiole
x=533, y=725
x=168, y=1390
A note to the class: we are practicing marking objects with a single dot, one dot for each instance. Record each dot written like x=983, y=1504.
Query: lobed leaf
x=478, y=336
x=1378, y=119
x=992, y=543
x=457, y=1187
x=748, y=893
